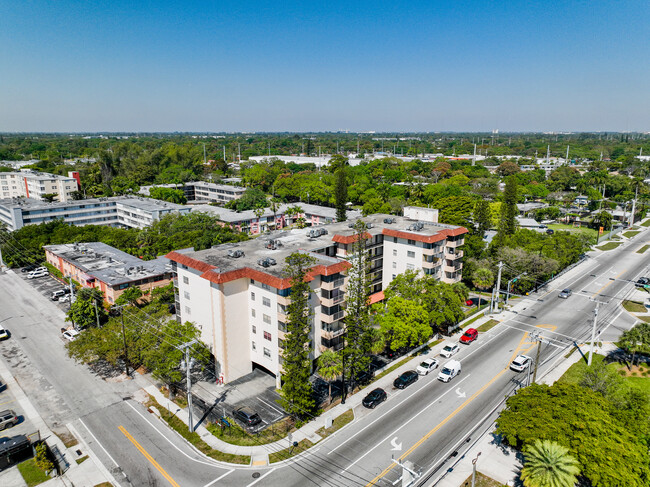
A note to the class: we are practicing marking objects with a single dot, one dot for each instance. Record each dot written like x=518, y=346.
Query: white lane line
x=391, y=435
x=168, y=440
x=269, y=405
x=256, y=481
x=219, y=478
x=538, y=328
x=100, y=445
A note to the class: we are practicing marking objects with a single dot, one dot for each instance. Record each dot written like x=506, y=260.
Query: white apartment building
x=198, y=192
x=237, y=294
x=129, y=212
x=33, y=184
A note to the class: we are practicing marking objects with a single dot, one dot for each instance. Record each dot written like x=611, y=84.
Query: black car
x=247, y=416
x=374, y=398
x=642, y=282
x=406, y=379
x=29, y=268
x=550, y=231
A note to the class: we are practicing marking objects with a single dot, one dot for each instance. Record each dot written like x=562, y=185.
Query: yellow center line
x=617, y=276
x=148, y=457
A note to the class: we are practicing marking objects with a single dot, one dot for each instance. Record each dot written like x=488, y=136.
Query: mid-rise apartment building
x=198, y=192
x=111, y=271
x=122, y=211
x=33, y=184
x=237, y=294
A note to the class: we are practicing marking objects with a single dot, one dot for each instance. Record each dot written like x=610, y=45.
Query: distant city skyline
x=465, y=66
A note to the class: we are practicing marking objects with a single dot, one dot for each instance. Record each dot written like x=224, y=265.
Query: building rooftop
x=109, y=264
x=137, y=202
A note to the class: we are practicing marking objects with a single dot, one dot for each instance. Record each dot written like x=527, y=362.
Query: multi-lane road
x=426, y=424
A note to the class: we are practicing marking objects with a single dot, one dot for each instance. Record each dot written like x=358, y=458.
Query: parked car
x=374, y=398
x=521, y=363
x=4, y=334
x=65, y=298
x=469, y=336
x=549, y=231
x=56, y=295
x=29, y=268
x=247, y=416
x=406, y=379
x=36, y=273
x=8, y=419
x=565, y=293
x=427, y=366
x=450, y=370
x=70, y=335
x=471, y=302
x=450, y=350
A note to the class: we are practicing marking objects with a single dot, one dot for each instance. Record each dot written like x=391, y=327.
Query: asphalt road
x=427, y=424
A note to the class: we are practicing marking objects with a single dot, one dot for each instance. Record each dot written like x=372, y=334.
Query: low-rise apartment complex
x=100, y=266
x=33, y=184
x=198, y=192
x=237, y=294
x=123, y=211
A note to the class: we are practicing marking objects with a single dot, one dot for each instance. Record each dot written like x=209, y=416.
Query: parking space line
x=270, y=405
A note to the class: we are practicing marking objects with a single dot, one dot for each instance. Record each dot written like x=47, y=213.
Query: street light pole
x=474, y=469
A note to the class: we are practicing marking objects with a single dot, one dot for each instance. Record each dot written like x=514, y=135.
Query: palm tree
x=548, y=464
x=330, y=367
x=482, y=278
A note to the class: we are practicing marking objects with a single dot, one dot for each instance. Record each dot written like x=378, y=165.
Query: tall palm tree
x=330, y=367
x=548, y=464
x=482, y=278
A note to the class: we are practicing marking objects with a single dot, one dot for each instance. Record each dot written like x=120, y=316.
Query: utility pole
x=126, y=353
x=409, y=475
x=636, y=194
x=495, y=306
x=539, y=347
x=474, y=469
x=593, y=335
x=188, y=376
x=510, y=282
x=2, y=264
x=96, y=312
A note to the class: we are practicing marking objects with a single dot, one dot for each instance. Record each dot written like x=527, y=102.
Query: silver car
x=565, y=293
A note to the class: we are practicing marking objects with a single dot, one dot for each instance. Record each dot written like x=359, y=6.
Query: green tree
x=168, y=194
x=507, y=220
x=636, y=340
x=482, y=217
x=548, y=464
x=49, y=197
x=87, y=308
x=130, y=296
x=482, y=278
x=296, y=388
x=603, y=219
x=42, y=458
x=330, y=367
x=404, y=323
x=251, y=198
x=338, y=164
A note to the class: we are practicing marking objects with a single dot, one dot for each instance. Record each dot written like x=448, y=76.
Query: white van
x=40, y=272
x=450, y=370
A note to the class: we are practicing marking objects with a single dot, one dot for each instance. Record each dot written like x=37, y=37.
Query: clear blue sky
x=316, y=66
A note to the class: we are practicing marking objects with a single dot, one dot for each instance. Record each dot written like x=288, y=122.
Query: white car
x=427, y=366
x=64, y=299
x=521, y=363
x=70, y=335
x=36, y=273
x=450, y=350
x=4, y=334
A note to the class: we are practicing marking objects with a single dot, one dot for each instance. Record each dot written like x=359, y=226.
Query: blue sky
x=307, y=66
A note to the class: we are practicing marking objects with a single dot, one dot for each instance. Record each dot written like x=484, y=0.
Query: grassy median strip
x=634, y=306
x=609, y=246
x=646, y=223
x=631, y=234
x=337, y=424
x=181, y=428
x=281, y=455
x=643, y=249
x=235, y=435
x=488, y=325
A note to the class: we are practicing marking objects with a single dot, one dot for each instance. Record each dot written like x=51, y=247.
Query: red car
x=469, y=336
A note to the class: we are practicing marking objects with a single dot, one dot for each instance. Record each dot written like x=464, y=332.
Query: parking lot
x=45, y=286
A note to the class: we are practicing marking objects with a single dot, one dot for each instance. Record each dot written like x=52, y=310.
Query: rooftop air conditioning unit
x=235, y=254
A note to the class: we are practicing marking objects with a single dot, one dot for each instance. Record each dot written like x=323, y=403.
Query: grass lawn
x=643, y=249
x=481, y=481
x=290, y=452
x=235, y=435
x=194, y=438
x=634, y=306
x=488, y=325
x=32, y=475
x=337, y=424
x=576, y=371
x=644, y=318
x=570, y=228
x=646, y=223
x=637, y=376
x=609, y=246
x=81, y=460
x=392, y=367
x=630, y=234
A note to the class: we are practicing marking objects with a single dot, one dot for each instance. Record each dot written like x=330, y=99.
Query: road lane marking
x=100, y=445
x=434, y=430
x=148, y=457
x=269, y=405
x=391, y=435
x=610, y=282
x=219, y=478
x=256, y=481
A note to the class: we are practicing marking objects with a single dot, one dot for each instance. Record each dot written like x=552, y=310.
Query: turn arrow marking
x=458, y=393
x=396, y=446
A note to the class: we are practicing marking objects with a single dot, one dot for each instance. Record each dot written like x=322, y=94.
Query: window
x=394, y=252
x=254, y=346
x=394, y=276
x=411, y=242
x=186, y=294
x=186, y=280
x=266, y=302
x=187, y=310
x=394, y=239
x=254, y=328
x=266, y=286
x=252, y=296
x=410, y=254
x=410, y=266
x=394, y=265
x=253, y=313
x=267, y=336
x=266, y=319
x=267, y=352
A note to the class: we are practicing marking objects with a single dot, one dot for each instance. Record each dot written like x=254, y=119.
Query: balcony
x=332, y=285
x=455, y=243
x=330, y=334
x=334, y=317
x=458, y=254
x=329, y=302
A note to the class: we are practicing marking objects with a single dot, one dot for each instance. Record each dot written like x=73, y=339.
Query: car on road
x=70, y=335
x=643, y=282
x=374, y=398
x=4, y=334
x=247, y=416
x=450, y=350
x=450, y=370
x=521, y=363
x=469, y=336
x=8, y=419
x=427, y=366
x=36, y=273
x=565, y=293
x=406, y=379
